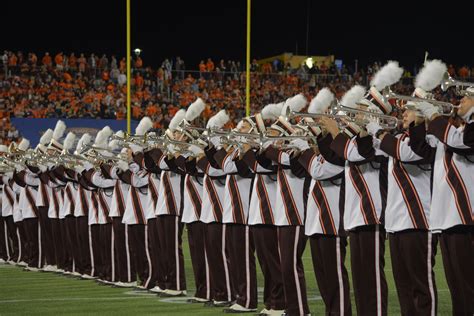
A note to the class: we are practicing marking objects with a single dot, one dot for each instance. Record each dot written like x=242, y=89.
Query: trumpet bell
x=463, y=88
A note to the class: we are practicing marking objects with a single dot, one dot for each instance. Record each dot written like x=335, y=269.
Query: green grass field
x=42, y=293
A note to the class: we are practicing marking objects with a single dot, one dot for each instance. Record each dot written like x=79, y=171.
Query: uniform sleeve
x=346, y=148
x=32, y=179
x=225, y=160
x=469, y=134
x=100, y=181
x=399, y=148
x=419, y=143
x=280, y=157
x=447, y=133
x=139, y=179
x=324, y=146
x=318, y=167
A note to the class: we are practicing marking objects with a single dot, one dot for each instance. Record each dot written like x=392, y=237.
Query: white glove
x=171, y=148
x=122, y=165
x=42, y=168
x=19, y=167
x=215, y=141
x=302, y=145
x=372, y=128
x=427, y=109
x=241, y=139
x=134, y=167
x=9, y=174
x=196, y=150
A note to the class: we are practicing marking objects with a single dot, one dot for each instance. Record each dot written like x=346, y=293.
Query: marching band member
x=168, y=208
x=215, y=231
x=365, y=193
x=289, y=212
x=407, y=215
x=451, y=214
x=123, y=274
x=4, y=239
x=261, y=218
x=42, y=202
x=29, y=183
x=56, y=200
x=82, y=204
x=66, y=213
x=97, y=216
x=324, y=213
x=239, y=241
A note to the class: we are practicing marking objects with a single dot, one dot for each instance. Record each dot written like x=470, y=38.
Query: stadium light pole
x=129, y=50
x=247, y=73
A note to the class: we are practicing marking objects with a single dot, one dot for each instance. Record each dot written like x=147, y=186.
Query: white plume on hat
x=295, y=103
x=431, y=75
x=59, y=130
x=387, y=75
x=24, y=144
x=144, y=126
x=272, y=111
x=177, y=118
x=69, y=140
x=3, y=149
x=195, y=109
x=84, y=140
x=46, y=137
x=354, y=95
x=102, y=136
x=321, y=102
x=120, y=134
x=218, y=120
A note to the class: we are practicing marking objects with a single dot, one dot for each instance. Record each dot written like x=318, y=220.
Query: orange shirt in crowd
x=136, y=111
x=59, y=59
x=46, y=60
x=210, y=65
x=13, y=60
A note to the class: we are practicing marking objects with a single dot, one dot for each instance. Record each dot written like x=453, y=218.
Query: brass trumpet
x=449, y=82
x=363, y=117
x=444, y=108
x=340, y=119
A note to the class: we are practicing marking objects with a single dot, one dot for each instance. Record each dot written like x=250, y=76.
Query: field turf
x=43, y=293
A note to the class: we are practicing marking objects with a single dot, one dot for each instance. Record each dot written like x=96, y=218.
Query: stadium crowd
x=71, y=86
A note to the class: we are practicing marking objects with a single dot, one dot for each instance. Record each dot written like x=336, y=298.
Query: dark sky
x=199, y=29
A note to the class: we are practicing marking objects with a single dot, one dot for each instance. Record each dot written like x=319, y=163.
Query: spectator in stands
x=210, y=65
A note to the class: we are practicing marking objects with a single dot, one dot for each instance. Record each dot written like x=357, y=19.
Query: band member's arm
x=318, y=167
x=100, y=181
x=399, y=148
x=447, y=133
x=225, y=160
x=152, y=159
x=419, y=143
x=278, y=156
x=469, y=134
x=31, y=179
x=324, y=148
x=346, y=148
x=19, y=178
